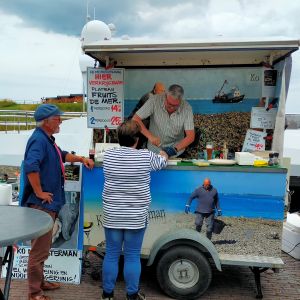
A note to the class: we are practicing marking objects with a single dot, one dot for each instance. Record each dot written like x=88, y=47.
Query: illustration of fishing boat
x=234, y=96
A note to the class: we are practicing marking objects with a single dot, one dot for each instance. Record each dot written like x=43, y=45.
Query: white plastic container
x=100, y=149
x=291, y=235
x=5, y=194
x=244, y=158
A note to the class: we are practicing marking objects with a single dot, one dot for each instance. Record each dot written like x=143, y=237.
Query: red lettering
x=115, y=120
x=116, y=108
x=258, y=146
x=103, y=76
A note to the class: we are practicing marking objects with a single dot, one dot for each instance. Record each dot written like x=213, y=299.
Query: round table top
x=20, y=224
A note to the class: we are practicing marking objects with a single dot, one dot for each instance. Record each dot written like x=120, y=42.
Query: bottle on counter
x=271, y=159
x=225, y=151
x=276, y=158
x=92, y=150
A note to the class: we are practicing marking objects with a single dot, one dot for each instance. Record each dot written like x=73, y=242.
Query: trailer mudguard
x=184, y=236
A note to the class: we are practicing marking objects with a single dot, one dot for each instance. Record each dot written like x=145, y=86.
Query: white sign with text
x=254, y=141
x=261, y=118
x=63, y=265
x=105, y=97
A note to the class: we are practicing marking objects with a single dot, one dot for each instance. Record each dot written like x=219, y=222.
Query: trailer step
x=251, y=261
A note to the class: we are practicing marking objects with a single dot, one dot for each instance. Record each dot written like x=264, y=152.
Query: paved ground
x=232, y=283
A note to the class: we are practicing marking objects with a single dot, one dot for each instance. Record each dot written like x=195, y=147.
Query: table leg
x=8, y=258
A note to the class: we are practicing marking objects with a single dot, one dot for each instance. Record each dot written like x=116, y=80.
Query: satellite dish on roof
x=95, y=31
x=85, y=61
x=112, y=28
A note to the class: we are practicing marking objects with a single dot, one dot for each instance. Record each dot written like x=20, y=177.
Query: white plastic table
x=19, y=224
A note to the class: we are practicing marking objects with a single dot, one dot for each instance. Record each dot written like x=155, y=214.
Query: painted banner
x=105, y=98
x=254, y=141
x=252, y=209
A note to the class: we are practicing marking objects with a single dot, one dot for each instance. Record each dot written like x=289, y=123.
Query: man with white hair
x=44, y=179
x=171, y=122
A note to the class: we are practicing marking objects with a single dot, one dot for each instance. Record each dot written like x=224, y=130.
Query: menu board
x=105, y=98
x=261, y=118
x=254, y=141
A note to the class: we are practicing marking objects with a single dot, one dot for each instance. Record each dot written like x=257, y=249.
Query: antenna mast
x=88, y=17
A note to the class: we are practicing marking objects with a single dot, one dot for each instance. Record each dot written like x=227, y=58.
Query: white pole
x=104, y=136
x=83, y=96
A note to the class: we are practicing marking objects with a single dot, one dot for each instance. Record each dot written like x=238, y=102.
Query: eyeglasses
x=170, y=104
x=56, y=118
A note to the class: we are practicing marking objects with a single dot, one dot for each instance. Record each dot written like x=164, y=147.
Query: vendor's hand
x=187, y=209
x=170, y=151
x=219, y=213
x=89, y=163
x=154, y=140
x=45, y=197
x=164, y=154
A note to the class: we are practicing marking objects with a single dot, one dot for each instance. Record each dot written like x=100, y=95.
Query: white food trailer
x=250, y=195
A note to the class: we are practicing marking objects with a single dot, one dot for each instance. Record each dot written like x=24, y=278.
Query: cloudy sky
x=40, y=40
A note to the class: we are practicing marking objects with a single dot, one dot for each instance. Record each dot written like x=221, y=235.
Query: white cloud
x=36, y=64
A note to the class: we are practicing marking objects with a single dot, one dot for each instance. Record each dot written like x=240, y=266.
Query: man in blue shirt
x=44, y=189
x=207, y=201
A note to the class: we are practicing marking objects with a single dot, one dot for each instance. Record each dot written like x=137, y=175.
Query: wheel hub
x=183, y=273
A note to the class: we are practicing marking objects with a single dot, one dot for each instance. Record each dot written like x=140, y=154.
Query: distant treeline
x=6, y=104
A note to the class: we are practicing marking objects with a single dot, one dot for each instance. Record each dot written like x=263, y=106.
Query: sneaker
x=106, y=296
x=136, y=296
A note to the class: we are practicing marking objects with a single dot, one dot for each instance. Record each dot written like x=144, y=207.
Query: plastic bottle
x=271, y=159
x=276, y=159
x=225, y=151
x=92, y=148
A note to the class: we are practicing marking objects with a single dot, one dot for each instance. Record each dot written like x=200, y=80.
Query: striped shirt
x=170, y=128
x=126, y=194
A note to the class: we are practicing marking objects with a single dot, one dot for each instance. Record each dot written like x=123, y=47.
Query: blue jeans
x=131, y=240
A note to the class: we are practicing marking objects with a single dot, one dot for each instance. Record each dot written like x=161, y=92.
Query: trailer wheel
x=183, y=273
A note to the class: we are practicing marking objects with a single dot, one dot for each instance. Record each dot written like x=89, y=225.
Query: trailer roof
x=132, y=53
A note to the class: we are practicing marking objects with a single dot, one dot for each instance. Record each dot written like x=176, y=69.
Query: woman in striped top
x=126, y=199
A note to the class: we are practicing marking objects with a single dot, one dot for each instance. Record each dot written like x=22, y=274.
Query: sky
x=40, y=40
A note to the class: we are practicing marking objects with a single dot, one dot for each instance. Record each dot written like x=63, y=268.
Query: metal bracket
x=256, y=271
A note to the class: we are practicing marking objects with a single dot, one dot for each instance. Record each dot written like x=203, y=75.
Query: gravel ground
x=9, y=170
x=240, y=235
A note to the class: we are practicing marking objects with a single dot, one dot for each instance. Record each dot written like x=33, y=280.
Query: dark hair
x=128, y=133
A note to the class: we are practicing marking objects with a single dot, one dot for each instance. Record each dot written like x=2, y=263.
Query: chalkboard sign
x=270, y=77
x=254, y=141
x=261, y=118
x=269, y=82
x=105, y=97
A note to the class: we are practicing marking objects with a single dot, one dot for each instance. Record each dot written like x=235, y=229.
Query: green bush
x=6, y=103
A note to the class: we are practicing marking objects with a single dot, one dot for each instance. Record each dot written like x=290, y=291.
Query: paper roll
x=5, y=194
